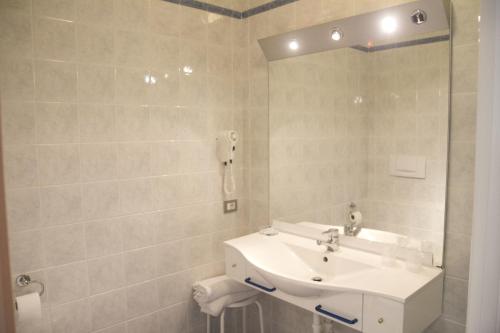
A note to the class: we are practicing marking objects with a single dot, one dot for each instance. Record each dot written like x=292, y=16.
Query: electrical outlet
x=230, y=206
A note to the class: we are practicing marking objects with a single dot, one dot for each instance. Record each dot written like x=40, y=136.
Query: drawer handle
x=320, y=309
x=269, y=290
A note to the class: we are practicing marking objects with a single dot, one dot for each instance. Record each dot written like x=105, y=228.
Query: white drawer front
x=344, y=308
x=381, y=315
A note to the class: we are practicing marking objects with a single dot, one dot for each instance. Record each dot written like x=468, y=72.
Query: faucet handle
x=330, y=231
x=333, y=233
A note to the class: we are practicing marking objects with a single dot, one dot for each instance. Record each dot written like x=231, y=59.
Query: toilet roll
x=28, y=307
x=355, y=217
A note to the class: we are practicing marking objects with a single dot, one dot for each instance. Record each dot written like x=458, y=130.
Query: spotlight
x=293, y=45
x=337, y=34
x=388, y=24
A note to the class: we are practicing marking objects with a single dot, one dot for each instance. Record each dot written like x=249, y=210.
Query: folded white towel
x=211, y=289
x=215, y=307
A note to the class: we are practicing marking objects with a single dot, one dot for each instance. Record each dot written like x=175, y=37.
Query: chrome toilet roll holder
x=24, y=280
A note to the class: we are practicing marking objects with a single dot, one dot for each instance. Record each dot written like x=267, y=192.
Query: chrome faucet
x=332, y=243
x=351, y=228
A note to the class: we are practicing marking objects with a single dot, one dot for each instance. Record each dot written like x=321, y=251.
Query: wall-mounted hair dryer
x=226, y=147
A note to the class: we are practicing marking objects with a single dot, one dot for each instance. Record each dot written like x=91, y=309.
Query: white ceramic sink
x=350, y=286
x=296, y=270
x=289, y=263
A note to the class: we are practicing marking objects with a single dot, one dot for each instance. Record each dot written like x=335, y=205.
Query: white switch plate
x=230, y=206
x=408, y=166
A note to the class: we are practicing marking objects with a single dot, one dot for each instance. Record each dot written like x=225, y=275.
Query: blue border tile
x=229, y=12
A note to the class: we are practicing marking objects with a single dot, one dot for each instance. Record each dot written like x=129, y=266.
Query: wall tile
x=457, y=255
x=26, y=251
x=95, y=44
x=132, y=123
x=62, y=9
x=72, y=317
x=131, y=13
x=455, y=299
x=131, y=86
x=142, y=299
x=56, y=123
x=96, y=84
x=105, y=274
x=171, y=257
x=465, y=68
x=174, y=319
x=140, y=265
x=99, y=161
x=95, y=12
x=22, y=6
x=108, y=309
x=20, y=166
x=145, y=324
x=54, y=39
x=64, y=244
x=23, y=209
x=18, y=123
x=175, y=288
x=134, y=160
x=97, y=123
x=16, y=39
x=131, y=48
x=136, y=196
x=58, y=164
x=17, y=81
x=67, y=283
x=165, y=18
x=138, y=231
x=60, y=205
x=55, y=81
x=103, y=238
x=100, y=200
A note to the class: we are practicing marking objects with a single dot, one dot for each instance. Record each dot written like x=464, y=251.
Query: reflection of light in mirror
x=187, y=70
x=388, y=24
x=358, y=100
x=213, y=17
x=165, y=76
x=293, y=45
x=149, y=79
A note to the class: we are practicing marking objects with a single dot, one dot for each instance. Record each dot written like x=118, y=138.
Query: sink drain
x=317, y=279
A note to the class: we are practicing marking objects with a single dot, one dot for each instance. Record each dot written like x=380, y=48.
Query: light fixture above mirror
x=361, y=31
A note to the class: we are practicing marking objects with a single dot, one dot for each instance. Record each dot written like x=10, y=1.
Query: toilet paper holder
x=24, y=280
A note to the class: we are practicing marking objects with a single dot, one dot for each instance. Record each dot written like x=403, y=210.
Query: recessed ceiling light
x=293, y=45
x=388, y=24
x=337, y=34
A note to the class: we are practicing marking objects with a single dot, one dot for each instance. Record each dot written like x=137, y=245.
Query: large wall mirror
x=366, y=125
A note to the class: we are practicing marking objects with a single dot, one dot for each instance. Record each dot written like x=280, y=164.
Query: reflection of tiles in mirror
x=398, y=45
x=238, y=14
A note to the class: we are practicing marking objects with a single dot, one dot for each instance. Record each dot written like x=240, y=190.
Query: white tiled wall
x=113, y=188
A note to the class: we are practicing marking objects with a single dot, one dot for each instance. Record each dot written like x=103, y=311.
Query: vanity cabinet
x=360, y=310
x=382, y=315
